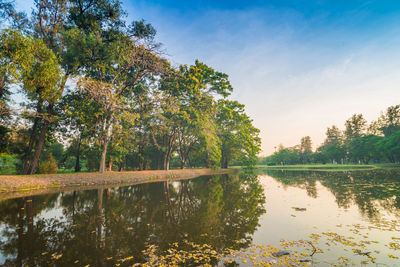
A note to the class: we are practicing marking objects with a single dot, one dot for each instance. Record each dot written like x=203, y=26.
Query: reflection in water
x=98, y=227
x=372, y=191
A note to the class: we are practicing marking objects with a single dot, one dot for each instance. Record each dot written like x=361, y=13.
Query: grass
x=19, y=183
x=330, y=167
x=70, y=170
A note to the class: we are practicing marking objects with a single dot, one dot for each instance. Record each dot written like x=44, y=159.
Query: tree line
x=99, y=94
x=359, y=142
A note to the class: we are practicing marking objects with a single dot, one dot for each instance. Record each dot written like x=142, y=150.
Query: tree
x=194, y=88
x=364, y=148
x=333, y=148
x=355, y=127
x=37, y=68
x=285, y=156
x=113, y=81
x=305, y=149
x=239, y=138
x=390, y=147
x=388, y=123
x=8, y=14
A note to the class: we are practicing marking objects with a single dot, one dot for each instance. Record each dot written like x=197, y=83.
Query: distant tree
x=365, y=148
x=285, y=156
x=355, y=127
x=388, y=123
x=390, y=147
x=332, y=149
x=305, y=149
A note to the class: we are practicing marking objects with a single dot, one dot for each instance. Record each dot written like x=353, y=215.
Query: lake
x=320, y=218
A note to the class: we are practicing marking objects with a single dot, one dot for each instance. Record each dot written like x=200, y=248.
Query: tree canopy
x=359, y=143
x=99, y=88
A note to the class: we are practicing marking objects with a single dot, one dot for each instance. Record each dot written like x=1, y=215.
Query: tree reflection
x=100, y=227
x=372, y=191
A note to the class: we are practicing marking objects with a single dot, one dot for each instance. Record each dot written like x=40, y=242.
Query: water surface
x=105, y=226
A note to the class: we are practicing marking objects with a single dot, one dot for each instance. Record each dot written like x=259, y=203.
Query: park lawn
x=23, y=185
x=330, y=167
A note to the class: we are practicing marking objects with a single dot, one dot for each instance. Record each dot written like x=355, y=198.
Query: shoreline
x=330, y=167
x=14, y=186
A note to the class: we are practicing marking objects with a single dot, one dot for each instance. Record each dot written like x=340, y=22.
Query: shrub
x=50, y=165
x=8, y=163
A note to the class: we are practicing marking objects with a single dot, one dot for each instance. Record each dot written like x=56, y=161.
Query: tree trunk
x=30, y=146
x=167, y=157
x=166, y=162
x=182, y=164
x=190, y=163
x=225, y=163
x=140, y=164
x=45, y=126
x=103, y=156
x=78, y=151
x=141, y=159
x=110, y=164
x=32, y=138
x=39, y=146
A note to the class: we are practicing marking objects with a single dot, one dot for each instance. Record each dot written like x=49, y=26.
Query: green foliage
x=239, y=138
x=355, y=127
x=127, y=108
x=33, y=64
x=365, y=148
x=50, y=165
x=380, y=144
x=8, y=164
x=93, y=158
x=285, y=156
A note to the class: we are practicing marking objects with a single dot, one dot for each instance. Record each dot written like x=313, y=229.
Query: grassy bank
x=330, y=167
x=24, y=185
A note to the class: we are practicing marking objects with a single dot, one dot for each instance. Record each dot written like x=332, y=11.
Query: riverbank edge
x=12, y=186
x=330, y=167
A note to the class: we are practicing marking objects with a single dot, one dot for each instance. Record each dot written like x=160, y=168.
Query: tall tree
x=239, y=138
x=111, y=83
x=332, y=148
x=388, y=123
x=305, y=149
x=355, y=127
x=38, y=70
x=194, y=88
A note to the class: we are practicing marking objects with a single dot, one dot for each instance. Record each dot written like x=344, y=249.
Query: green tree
x=239, y=138
x=365, y=148
x=37, y=68
x=194, y=89
x=305, y=149
x=333, y=148
x=355, y=127
x=390, y=147
x=389, y=122
x=285, y=156
x=113, y=81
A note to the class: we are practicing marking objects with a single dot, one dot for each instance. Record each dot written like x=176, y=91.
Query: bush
x=50, y=165
x=8, y=163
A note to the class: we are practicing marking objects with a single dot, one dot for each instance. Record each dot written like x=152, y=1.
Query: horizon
x=299, y=67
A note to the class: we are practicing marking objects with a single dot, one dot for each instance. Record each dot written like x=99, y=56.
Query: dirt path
x=24, y=185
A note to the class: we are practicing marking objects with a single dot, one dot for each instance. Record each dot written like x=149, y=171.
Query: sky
x=299, y=66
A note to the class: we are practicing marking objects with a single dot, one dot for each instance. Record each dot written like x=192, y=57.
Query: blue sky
x=299, y=66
